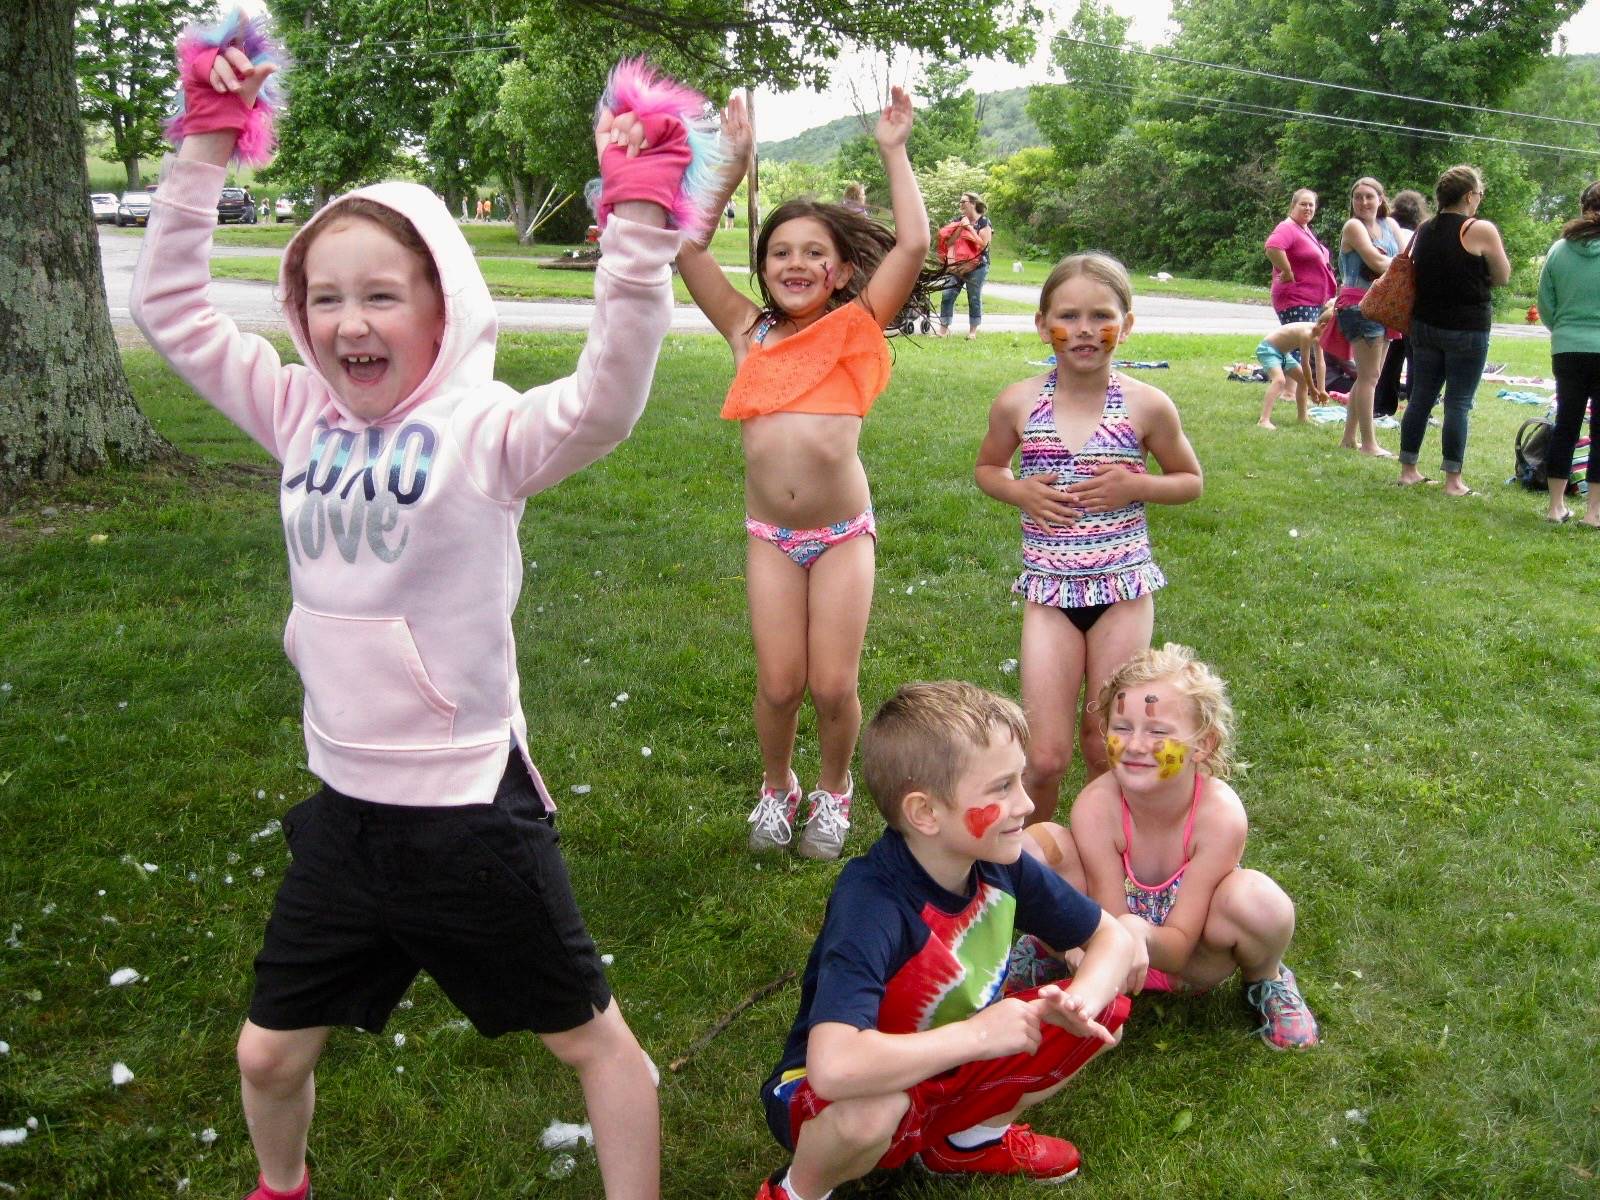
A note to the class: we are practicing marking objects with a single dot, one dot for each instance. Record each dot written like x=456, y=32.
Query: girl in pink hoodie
x=405, y=471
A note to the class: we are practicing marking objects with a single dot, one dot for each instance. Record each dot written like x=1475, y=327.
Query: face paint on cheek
x=980, y=819
x=1114, y=747
x=1170, y=756
x=1108, y=336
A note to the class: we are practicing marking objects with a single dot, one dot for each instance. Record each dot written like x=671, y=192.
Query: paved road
x=253, y=305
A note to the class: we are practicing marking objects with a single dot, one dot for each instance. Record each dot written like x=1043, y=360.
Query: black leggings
x=1577, y=387
x=1386, y=397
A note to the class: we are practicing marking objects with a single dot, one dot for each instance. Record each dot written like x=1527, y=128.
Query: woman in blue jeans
x=1458, y=259
x=972, y=210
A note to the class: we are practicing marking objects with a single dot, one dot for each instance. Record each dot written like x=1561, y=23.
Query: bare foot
x=1410, y=477
x=1377, y=452
x=1265, y=424
x=1595, y=524
x=1463, y=490
x=972, y=336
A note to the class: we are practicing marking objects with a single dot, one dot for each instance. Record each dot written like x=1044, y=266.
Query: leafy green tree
x=1079, y=117
x=943, y=183
x=127, y=76
x=1022, y=190
x=947, y=125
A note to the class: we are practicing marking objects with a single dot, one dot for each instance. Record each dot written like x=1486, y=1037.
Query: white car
x=104, y=206
x=134, y=209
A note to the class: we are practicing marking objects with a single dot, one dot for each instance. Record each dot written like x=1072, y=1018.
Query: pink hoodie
x=402, y=533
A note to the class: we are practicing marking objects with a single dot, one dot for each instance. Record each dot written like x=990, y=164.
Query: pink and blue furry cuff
x=202, y=110
x=636, y=87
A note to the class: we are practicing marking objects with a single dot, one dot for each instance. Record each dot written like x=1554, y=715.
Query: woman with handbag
x=1457, y=259
x=969, y=272
x=1369, y=239
x=1410, y=210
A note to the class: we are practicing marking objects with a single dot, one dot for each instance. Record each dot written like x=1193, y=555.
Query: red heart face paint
x=1170, y=755
x=1114, y=747
x=979, y=820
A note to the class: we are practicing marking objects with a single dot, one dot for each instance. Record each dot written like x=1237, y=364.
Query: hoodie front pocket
x=365, y=682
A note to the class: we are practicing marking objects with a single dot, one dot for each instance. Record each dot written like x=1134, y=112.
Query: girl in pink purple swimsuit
x=1088, y=577
x=1157, y=841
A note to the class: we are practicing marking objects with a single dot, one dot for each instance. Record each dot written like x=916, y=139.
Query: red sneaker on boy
x=1019, y=1152
x=772, y=1187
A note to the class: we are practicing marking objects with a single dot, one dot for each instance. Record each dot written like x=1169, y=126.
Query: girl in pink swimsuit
x=1165, y=812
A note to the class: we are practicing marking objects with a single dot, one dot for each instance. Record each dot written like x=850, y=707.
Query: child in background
x=1088, y=577
x=406, y=467
x=1283, y=354
x=902, y=1045
x=1165, y=812
x=809, y=361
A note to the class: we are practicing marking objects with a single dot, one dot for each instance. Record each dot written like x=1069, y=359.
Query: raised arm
x=727, y=308
x=891, y=283
x=240, y=374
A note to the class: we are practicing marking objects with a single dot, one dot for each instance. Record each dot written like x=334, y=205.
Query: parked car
x=236, y=205
x=133, y=208
x=104, y=207
x=291, y=208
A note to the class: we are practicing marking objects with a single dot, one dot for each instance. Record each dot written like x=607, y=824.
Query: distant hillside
x=1001, y=115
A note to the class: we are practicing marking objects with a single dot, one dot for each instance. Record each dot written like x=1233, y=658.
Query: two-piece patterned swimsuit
x=1154, y=902
x=1097, y=559
x=836, y=366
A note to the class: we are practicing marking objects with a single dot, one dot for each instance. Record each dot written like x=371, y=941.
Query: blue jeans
x=974, y=285
x=1452, y=359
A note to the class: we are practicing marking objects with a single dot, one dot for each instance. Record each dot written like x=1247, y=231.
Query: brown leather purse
x=1390, y=300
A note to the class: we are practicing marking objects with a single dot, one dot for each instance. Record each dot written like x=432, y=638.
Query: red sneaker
x=1020, y=1152
x=772, y=1187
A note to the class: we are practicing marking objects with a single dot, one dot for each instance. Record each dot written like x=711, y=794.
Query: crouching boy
x=902, y=1045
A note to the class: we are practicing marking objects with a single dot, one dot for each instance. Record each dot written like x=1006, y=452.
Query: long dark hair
x=862, y=242
x=1588, y=225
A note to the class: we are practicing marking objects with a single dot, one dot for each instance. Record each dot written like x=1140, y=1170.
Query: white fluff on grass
x=123, y=976
x=559, y=1135
x=120, y=1074
x=13, y=1137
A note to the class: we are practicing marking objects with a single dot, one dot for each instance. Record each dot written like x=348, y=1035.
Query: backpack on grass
x=1531, y=450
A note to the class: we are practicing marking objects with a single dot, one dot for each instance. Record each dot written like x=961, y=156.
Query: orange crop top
x=839, y=365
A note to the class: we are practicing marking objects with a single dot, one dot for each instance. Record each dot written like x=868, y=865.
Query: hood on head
x=466, y=354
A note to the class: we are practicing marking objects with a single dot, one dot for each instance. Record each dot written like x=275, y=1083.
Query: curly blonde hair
x=1195, y=680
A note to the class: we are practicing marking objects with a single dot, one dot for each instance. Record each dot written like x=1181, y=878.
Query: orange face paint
x=1170, y=756
x=979, y=820
x=1114, y=747
x=1108, y=336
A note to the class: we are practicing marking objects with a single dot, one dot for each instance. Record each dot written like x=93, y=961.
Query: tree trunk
x=519, y=206
x=131, y=166
x=65, y=405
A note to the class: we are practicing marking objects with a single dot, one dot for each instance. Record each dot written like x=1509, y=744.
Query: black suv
x=236, y=205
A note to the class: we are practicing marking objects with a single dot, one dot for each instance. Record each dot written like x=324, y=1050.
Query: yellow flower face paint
x=1114, y=746
x=1170, y=756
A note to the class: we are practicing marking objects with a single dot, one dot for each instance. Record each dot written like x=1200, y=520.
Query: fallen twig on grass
x=728, y=1018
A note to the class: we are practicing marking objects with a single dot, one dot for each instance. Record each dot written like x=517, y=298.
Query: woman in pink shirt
x=1302, y=280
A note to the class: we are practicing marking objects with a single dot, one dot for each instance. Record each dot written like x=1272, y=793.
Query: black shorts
x=477, y=895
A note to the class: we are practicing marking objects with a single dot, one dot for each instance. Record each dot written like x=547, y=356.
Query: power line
x=1343, y=87
x=1249, y=109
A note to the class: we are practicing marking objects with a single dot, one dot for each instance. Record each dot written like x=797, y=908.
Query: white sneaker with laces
x=772, y=819
x=827, y=823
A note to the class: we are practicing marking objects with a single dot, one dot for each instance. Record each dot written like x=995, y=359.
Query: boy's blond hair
x=922, y=737
x=1195, y=680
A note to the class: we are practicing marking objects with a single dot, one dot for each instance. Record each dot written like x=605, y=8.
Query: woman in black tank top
x=1458, y=258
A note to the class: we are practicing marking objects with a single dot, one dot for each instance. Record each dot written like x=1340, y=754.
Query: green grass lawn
x=1414, y=682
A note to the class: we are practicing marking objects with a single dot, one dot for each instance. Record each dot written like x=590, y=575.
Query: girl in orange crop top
x=809, y=361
